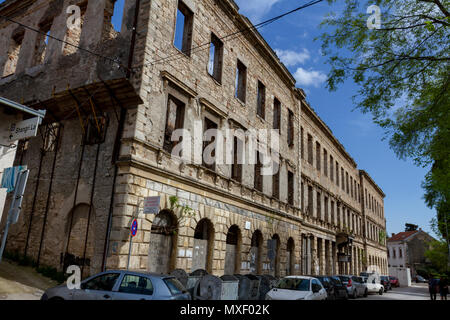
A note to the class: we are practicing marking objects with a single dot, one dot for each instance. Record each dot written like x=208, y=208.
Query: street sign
x=152, y=205
x=134, y=228
x=24, y=129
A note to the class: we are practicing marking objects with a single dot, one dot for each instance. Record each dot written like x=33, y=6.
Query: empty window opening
x=114, y=12
x=302, y=197
x=310, y=150
x=241, y=81
x=302, y=144
x=319, y=209
x=318, y=156
x=13, y=54
x=174, y=121
x=276, y=114
x=276, y=181
x=291, y=129
x=183, y=29
x=291, y=188
x=325, y=162
x=42, y=41
x=325, y=204
x=215, y=58
x=96, y=130
x=258, y=168
x=209, y=149
x=73, y=33
x=261, y=100
x=236, y=167
x=310, y=200
x=331, y=168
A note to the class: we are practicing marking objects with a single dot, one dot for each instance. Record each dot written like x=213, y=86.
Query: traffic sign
x=134, y=228
x=24, y=129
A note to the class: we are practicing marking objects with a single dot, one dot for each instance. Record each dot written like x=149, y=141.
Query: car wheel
x=355, y=294
x=365, y=294
x=381, y=292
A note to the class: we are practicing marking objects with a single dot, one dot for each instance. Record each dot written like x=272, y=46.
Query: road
x=417, y=291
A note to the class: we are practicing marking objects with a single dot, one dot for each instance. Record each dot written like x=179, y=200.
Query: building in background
x=106, y=145
x=407, y=249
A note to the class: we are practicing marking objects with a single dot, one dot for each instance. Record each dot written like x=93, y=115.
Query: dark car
x=384, y=280
x=394, y=282
x=420, y=279
x=340, y=290
x=328, y=285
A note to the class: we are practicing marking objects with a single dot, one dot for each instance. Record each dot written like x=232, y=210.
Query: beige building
x=107, y=146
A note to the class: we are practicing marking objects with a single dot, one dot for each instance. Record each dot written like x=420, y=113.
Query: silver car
x=298, y=288
x=355, y=286
x=122, y=285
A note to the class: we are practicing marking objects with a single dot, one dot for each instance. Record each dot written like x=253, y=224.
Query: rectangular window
x=346, y=180
x=291, y=129
x=276, y=114
x=241, y=81
x=13, y=54
x=342, y=179
x=310, y=150
x=183, y=29
x=302, y=144
x=302, y=197
x=319, y=208
x=337, y=173
x=215, y=58
x=210, y=156
x=276, y=182
x=325, y=162
x=318, y=159
x=261, y=100
x=331, y=168
x=291, y=188
x=42, y=40
x=310, y=200
x=236, y=167
x=258, y=181
x=325, y=203
x=351, y=186
x=332, y=212
x=174, y=121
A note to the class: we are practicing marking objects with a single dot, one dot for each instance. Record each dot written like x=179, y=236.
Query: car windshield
x=294, y=284
x=335, y=280
x=384, y=278
x=392, y=278
x=344, y=279
x=174, y=286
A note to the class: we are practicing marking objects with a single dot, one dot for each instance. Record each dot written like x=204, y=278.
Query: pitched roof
x=402, y=235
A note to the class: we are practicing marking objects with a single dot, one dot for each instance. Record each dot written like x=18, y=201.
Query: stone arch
x=79, y=230
x=256, y=252
x=163, y=242
x=203, y=245
x=233, y=250
x=290, y=262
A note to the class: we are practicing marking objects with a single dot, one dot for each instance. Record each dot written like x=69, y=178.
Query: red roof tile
x=402, y=235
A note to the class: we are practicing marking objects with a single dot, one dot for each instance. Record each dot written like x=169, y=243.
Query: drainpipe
x=120, y=128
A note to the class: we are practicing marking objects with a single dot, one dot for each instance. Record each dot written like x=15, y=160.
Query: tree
x=403, y=72
x=438, y=255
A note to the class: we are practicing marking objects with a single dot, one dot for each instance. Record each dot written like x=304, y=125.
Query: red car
x=394, y=282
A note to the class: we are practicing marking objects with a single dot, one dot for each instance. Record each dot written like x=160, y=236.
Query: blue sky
x=293, y=39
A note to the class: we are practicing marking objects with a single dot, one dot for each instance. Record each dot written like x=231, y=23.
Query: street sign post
x=24, y=129
x=16, y=205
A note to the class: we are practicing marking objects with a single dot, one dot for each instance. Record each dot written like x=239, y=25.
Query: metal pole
x=5, y=235
x=129, y=252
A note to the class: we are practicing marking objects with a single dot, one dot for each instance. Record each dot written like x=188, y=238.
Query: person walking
x=432, y=287
x=443, y=288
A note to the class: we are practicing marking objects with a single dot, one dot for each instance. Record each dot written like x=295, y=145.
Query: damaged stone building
x=115, y=94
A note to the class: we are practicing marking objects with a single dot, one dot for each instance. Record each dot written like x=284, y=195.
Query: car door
x=134, y=287
x=98, y=287
x=319, y=292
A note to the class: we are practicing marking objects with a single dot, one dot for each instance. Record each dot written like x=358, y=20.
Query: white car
x=373, y=285
x=297, y=288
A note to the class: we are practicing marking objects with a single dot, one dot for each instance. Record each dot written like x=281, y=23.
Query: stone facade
x=88, y=193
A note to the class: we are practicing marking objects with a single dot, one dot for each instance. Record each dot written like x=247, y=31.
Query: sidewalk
x=22, y=283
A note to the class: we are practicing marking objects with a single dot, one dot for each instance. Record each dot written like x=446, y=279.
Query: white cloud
x=256, y=9
x=309, y=77
x=291, y=58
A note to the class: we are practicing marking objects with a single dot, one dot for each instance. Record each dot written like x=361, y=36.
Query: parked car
x=355, y=287
x=328, y=285
x=384, y=280
x=373, y=285
x=420, y=279
x=394, y=282
x=122, y=285
x=298, y=288
x=340, y=290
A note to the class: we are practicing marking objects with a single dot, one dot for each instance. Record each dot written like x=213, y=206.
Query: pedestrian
x=432, y=287
x=443, y=288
